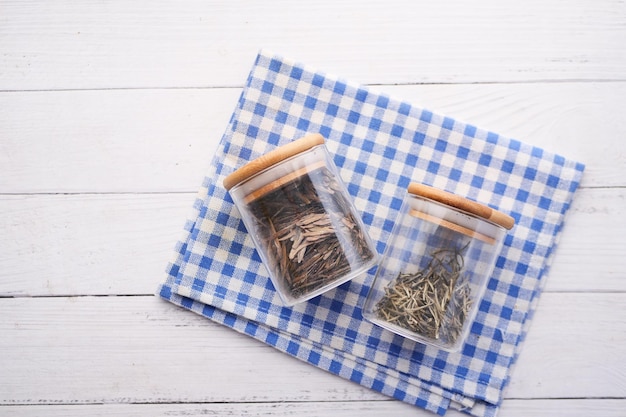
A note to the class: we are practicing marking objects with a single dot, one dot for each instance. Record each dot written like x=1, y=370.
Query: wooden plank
x=163, y=140
x=589, y=255
x=574, y=349
x=88, y=244
x=110, y=141
x=510, y=408
x=144, y=350
x=120, y=244
x=90, y=44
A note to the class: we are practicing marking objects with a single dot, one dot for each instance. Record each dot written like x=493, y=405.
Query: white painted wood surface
x=110, y=112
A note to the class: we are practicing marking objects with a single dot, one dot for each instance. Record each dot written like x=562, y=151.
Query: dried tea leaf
x=433, y=302
x=312, y=237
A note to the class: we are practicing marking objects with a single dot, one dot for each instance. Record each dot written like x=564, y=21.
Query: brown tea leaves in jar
x=311, y=234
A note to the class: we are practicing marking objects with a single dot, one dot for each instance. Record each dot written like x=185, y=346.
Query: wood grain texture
x=510, y=408
x=163, y=140
x=143, y=349
x=462, y=203
x=116, y=44
x=109, y=350
x=110, y=141
x=271, y=158
x=98, y=244
x=589, y=252
x=576, y=340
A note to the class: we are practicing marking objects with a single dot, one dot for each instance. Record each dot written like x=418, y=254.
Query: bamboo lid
x=282, y=181
x=462, y=203
x=273, y=157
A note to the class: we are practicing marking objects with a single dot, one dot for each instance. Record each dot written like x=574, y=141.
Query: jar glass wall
x=301, y=219
x=435, y=268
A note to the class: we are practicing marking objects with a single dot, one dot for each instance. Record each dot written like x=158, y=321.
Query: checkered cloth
x=380, y=144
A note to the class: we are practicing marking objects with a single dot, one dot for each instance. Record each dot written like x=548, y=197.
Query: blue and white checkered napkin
x=380, y=145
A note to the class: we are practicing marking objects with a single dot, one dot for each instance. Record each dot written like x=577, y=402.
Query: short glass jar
x=301, y=219
x=436, y=266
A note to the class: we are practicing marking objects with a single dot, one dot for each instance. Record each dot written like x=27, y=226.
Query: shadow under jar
x=301, y=219
x=435, y=269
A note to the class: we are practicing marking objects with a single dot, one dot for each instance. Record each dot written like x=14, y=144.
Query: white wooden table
x=110, y=111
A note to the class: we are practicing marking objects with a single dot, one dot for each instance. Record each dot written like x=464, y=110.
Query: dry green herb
x=434, y=301
x=310, y=232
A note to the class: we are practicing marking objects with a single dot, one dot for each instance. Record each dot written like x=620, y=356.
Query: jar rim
x=271, y=158
x=462, y=203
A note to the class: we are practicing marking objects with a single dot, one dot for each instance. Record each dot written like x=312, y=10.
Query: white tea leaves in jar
x=436, y=266
x=301, y=220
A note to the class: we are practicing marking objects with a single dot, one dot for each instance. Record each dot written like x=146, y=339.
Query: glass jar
x=301, y=219
x=435, y=269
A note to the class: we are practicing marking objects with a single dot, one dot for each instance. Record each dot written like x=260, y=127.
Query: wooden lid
x=461, y=203
x=453, y=226
x=273, y=157
x=282, y=181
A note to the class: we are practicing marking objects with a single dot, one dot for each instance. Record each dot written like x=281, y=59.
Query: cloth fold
x=380, y=145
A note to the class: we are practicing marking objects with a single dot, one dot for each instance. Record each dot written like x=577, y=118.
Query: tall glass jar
x=301, y=219
x=435, y=269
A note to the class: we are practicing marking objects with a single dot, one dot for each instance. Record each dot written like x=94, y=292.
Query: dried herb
x=433, y=302
x=311, y=234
